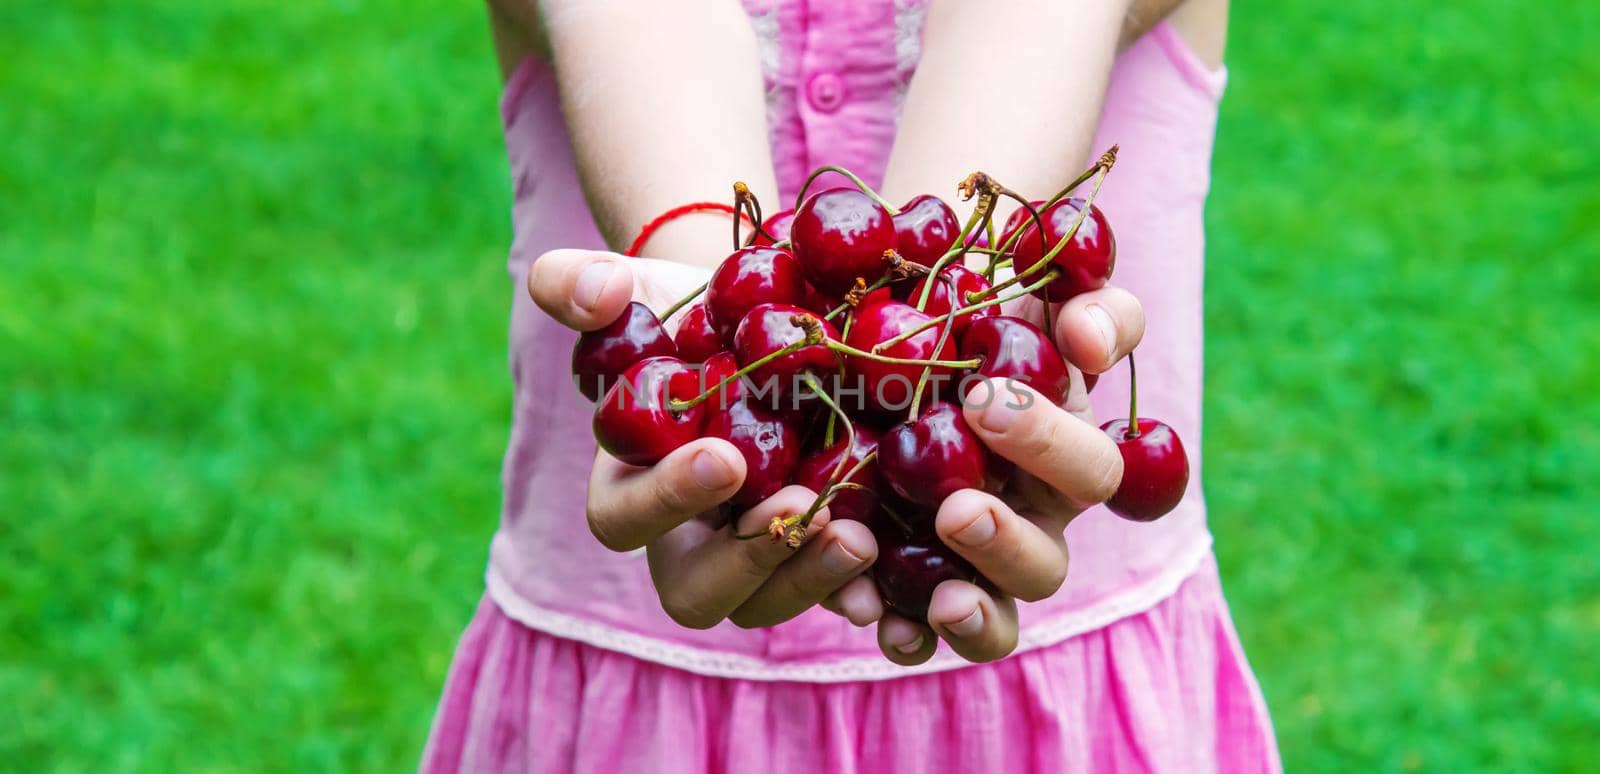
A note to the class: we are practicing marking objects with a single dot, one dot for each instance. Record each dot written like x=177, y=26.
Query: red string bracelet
x=650, y=228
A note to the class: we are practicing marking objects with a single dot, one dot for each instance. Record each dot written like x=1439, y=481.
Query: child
x=702, y=652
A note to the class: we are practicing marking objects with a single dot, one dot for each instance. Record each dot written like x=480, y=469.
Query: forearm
x=1023, y=110
x=664, y=104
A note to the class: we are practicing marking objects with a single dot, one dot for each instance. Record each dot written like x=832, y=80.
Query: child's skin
x=664, y=103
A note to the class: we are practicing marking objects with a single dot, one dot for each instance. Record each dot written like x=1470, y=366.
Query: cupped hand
x=1065, y=465
x=676, y=510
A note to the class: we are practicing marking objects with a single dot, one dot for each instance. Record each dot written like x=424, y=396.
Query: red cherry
x=888, y=387
x=1013, y=348
x=966, y=281
x=924, y=230
x=909, y=568
x=634, y=423
x=928, y=459
x=841, y=234
x=854, y=504
x=697, y=341
x=768, y=439
x=1086, y=261
x=1155, y=469
x=754, y=275
x=600, y=356
x=770, y=327
x=1089, y=381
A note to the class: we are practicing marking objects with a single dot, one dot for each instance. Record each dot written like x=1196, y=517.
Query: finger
x=702, y=575
x=857, y=600
x=978, y=626
x=1065, y=452
x=842, y=551
x=905, y=642
x=630, y=506
x=582, y=289
x=1018, y=556
x=1096, y=329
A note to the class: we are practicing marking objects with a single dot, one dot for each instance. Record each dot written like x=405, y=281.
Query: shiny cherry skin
x=600, y=356
x=841, y=234
x=1086, y=261
x=965, y=281
x=816, y=468
x=933, y=456
x=910, y=567
x=751, y=276
x=777, y=224
x=1155, y=470
x=925, y=229
x=768, y=439
x=634, y=423
x=1013, y=348
x=888, y=387
x=770, y=327
x=697, y=341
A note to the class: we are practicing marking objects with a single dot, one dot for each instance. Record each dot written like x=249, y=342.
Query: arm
x=664, y=103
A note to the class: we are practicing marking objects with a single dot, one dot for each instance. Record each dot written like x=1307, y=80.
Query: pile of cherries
x=832, y=347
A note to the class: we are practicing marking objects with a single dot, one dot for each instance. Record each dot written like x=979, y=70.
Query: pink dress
x=570, y=663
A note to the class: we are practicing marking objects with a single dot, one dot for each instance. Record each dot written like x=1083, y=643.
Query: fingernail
x=978, y=533
x=1108, y=329
x=910, y=647
x=969, y=626
x=709, y=471
x=591, y=281
x=998, y=417
x=838, y=560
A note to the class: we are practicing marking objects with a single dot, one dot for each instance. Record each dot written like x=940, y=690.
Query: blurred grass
x=252, y=312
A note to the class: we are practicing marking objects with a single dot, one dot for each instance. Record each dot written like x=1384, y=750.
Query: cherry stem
x=899, y=269
x=944, y=336
x=861, y=353
x=1133, y=401
x=973, y=307
x=800, y=198
x=900, y=521
x=813, y=337
x=849, y=427
x=683, y=302
x=744, y=199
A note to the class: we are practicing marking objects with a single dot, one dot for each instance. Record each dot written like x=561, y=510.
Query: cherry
x=939, y=298
x=1013, y=348
x=924, y=230
x=768, y=439
x=1086, y=261
x=776, y=224
x=933, y=456
x=889, y=387
x=753, y=275
x=910, y=567
x=697, y=341
x=1155, y=469
x=633, y=422
x=600, y=356
x=841, y=234
x=768, y=328
x=816, y=469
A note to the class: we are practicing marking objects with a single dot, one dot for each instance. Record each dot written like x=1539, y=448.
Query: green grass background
x=253, y=390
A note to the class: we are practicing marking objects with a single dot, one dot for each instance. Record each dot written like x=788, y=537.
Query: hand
x=675, y=509
x=1065, y=465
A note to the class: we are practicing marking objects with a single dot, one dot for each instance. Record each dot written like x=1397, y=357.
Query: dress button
x=826, y=92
